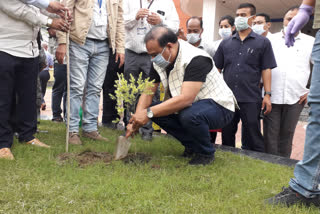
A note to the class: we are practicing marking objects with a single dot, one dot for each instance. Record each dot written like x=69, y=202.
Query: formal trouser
x=88, y=67
x=252, y=138
x=109, y=105
x=279, y=127
x=307, y=171
x=44, y=78
x=17, y=75
x=191, y=125
x=59, y=90
x=134, y=65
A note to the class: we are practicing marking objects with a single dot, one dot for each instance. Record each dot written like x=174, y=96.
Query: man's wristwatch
x=49, y=22
x=267, y=93
x=149, y=113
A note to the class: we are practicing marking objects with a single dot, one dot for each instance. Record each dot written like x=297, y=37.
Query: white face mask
x=225, y=32
x=193, y=37
x=241, y=23
x=258, y=29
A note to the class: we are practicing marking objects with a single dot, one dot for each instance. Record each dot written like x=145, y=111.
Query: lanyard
x=100, y=4
x=149, y=4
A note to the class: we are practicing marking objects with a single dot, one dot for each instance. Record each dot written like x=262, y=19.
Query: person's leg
x=96, y=74
x=229, y=132
x=26, y=88
x=44, y=78
x=289, y=120
x=7, y=97
x=213, y=136
x=79, y=61
x=252, y=139
x=109, y=106
x=58, y=89
x=271, y=130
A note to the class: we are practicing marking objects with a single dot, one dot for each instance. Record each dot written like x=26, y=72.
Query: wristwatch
x=49, y=22
x=267, y=92
x=149, y=113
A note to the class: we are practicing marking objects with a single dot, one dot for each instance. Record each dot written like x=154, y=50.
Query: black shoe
x=147, y=137
x=201, y=159
x=57, y=120
x=188, y=153
x=290, y=197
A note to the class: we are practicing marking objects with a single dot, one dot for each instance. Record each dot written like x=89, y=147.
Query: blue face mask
x=160, y=61
x=241, y=23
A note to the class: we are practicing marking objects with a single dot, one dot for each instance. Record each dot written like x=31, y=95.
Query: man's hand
x=303, y=99
x=130, y=131
x=139, y=119
x=181, y=34
x=120, y=57
x=266, y=103
x=297, y=23
x=142, y=13
x=60, y=24
x=59, y=9
x=154, y=19
x=61, y=52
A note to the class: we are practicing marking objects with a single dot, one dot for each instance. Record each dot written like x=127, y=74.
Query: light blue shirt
x=42, y=4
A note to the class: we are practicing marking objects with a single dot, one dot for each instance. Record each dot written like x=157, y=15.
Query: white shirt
x=136, y=29
x=99, y=24
x=290, y=78
x=208, y=47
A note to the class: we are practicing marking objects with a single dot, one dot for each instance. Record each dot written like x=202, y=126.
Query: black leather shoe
x=200, y=159
x=188, y=153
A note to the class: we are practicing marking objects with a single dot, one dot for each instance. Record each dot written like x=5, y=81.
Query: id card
x=141, y=31
x=100, y=20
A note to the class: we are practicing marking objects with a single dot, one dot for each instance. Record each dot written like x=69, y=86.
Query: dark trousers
x=17, y=75
x=251, y=138
x=44, y=78
x=191, y=126
x=279, y=127
x=109, y=106
x=59, y=90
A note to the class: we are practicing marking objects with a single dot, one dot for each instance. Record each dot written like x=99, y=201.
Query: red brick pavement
x=298, y=140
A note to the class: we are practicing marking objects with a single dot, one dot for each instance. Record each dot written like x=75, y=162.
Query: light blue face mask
x=241, y=23
x=160, y=61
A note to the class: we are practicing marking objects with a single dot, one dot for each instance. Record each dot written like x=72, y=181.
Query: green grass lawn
x=36, y=183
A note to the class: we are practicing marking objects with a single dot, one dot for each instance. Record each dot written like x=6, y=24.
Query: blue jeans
x=191, y=126
x=307, y=171
x=88, y=66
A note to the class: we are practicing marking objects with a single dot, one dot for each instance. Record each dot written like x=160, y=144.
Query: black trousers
x=251, y=138
x=44, y=78
x=109, y=106
x=59, y=90
x=18, y=75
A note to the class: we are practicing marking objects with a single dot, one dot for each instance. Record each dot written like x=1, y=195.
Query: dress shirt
x=290, y=78
x=243, y=62
x=207, y=47
x=134, y=36
x=99, y=24
x=42, y=4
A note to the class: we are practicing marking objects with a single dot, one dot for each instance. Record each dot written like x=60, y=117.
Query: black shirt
x=242, y=63
x=196, y=71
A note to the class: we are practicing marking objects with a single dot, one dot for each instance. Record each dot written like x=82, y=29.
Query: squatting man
x=196, y=97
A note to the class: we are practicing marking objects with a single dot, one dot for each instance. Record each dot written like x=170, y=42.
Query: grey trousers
x=135, y=64
x=279, y=127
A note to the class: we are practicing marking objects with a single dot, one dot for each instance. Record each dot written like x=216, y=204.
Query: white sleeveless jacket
x=214, y=88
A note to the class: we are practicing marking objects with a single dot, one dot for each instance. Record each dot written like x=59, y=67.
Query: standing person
x=109, y=112
x=96, y=26
x=304, y=187
x=19, y=69
x=226, y=29
x=196, y=96
x=60, y=81
x=139, y=17
x=244, y=58
x=44, y=75
x=288, y=88
x=262, y=25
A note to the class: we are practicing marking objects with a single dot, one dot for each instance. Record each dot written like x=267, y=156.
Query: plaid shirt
x=214, y=88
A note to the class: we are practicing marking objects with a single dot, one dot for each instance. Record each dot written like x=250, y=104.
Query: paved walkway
x=298, y=140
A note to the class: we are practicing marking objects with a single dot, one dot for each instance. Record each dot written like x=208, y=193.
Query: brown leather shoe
x=5, y=153
x=74, y=138
x=95, y=135
x=37, y=142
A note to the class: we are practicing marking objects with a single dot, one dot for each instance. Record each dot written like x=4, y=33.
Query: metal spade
x=122, y=148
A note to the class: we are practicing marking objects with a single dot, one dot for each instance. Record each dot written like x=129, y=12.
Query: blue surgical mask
x=160, y=61
x=241, y=23
x=225, y=32
x=258, y=29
